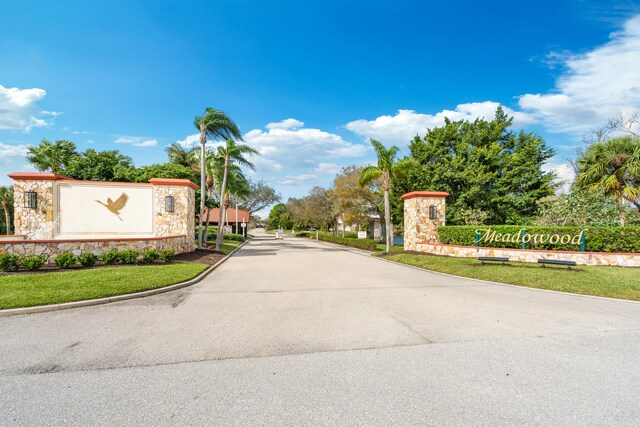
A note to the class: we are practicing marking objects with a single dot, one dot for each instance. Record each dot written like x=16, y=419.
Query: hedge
x=366, y=244
x=597, y=239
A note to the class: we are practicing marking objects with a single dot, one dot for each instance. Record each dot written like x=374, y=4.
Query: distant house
x=231, y=218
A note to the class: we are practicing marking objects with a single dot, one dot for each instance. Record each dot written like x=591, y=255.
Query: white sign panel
x=104, y=209
x=362, y=234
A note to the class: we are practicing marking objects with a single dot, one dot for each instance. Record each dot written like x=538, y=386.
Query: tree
x=612, y=167
x=182, y=156
x=237, y=186
x=261, y=196
x=279, y=217
x=6, y=199
x=483, y=166
x=316, y=209
x=93, y=165
x=354, y=201
x=165, y=170
x=53, y=157
x=216, y=125
x=389, y=169
x=579, y=208
x=232, y=153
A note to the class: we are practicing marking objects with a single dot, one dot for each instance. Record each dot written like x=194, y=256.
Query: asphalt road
x=300, y=333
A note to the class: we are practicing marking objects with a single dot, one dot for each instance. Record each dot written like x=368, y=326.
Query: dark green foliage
x=148, y=257
x=166, y=170
x=9, y=262
x=111, y=257
x=483, y=166
x=578, y=208
x=598, y=239
x=128, y=256
x=65, y=260
x=367, y=244
x=236, y=237
x=93, y=165
x=33, y=262
x=279, y=217
x=167, y=255
x=87, y=259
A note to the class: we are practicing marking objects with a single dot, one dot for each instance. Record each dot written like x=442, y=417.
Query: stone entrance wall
x=418, y=226
x=421, y=235
x=36, y=229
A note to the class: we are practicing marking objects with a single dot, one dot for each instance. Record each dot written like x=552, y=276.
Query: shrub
x=128, y=256
x=65, y=260
x=9, y=262
x=236, y=237
x=87, y=259
x=111, y=257
x=34, y=262
x=148, y=257
x=167, y=255
x=597, y=239
x=366, y=244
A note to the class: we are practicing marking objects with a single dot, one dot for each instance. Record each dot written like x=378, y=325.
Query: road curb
x=117, y=298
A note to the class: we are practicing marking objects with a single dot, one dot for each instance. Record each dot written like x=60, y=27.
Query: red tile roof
x=214, y=214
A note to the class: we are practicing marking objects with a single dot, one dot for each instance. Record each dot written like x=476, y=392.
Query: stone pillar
x=39, y=222
x=424, y=212
x=182, y=220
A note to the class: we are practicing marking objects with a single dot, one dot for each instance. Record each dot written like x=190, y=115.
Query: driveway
x=299, y=332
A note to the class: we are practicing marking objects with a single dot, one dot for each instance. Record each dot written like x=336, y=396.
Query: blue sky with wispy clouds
x=309, y=82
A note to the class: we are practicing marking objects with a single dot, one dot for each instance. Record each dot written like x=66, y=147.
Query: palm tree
x=612, y=166
x=389, y=169
x=214, y=166
x=238, y=186
x=54, y=157
x=181, y=155
x=231, y=152
x=6, y=199
x=215, y=125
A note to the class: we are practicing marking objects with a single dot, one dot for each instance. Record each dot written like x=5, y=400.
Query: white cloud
x=290, y=145
x=136, y=141
x=10, y=153
x=401, y=128
x=564, y=172
x=19, y=110
x=595, y=86
x=328, y=168
x=304, y=179
x=189, y=141
x=286, y=124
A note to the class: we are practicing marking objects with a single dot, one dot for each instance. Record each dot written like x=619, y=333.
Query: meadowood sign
x=487, y=236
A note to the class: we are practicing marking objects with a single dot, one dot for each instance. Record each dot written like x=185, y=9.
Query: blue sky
x=308, y=82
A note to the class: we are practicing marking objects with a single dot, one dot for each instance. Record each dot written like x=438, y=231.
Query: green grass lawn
x=614, y=282
x=381, y=247
x=229, y=245
x=65, y=286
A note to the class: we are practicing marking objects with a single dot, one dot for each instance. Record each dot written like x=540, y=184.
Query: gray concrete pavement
x=297, y=332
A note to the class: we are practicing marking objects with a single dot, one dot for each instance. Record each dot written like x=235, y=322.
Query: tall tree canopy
x=215, y=125
x=484, y=167
x=92, y=165
x=52, y=157
x=261, y=195
x=612, y=167
x=388, y=169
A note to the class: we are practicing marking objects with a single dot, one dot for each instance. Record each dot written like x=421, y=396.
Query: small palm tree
x=232, y=153
x=180, y=155
x=215, y=125
x=54, y=157
x=612, y=166
x=388, y=169
x=237, y=186
x=6, y=199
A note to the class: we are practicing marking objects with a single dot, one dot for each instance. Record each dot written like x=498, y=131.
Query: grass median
x=613, y=282
x=65, y=286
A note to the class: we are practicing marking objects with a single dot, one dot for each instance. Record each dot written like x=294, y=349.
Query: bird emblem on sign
x=115, y=207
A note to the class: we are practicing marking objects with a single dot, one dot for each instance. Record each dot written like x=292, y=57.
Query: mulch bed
x=205, y=256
